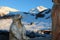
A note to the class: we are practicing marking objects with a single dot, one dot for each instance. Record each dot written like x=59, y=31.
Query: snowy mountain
x=29, y=20
x=38, y=9
x=41, y=8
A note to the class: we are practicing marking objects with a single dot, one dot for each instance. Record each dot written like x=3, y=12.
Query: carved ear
x=19, y=16
x=52, y=1
x=56, y=1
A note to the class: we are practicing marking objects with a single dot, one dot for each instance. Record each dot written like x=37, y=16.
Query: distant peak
x=41, y=8
x=38, y=9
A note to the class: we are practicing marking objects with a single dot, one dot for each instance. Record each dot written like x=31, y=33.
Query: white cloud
x=5, y=10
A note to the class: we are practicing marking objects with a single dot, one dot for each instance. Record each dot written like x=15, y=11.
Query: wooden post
x=56, y=20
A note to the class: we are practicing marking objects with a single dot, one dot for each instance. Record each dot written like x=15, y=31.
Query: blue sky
x=26, y=5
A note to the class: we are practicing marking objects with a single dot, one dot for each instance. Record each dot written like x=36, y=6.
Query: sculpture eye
x=52, y=0
x=58, y=1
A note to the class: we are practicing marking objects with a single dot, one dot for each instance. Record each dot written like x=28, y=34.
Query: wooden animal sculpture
x=56, y=20
x=17, y=30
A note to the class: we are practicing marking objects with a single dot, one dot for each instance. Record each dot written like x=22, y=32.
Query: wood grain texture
x=56, y=20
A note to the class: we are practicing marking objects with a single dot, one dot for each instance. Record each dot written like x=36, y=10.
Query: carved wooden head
x=56, y=1
x=17, y=17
